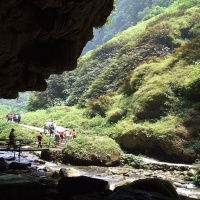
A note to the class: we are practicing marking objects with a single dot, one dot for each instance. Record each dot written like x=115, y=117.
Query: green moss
x=160, y=186
x=148, y=102
x=191, y=84
x=115, y=115
x=91, y=148
x=197, y=175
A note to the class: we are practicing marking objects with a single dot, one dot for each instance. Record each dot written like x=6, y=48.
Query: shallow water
x=189, y=190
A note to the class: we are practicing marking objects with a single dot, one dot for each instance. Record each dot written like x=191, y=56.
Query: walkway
x=33, y=128
x=62, y=144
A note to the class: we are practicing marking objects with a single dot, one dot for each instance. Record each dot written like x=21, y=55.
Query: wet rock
x=135, y=195
x=3, y=164
x=46, y=181
x=39, y=161
x=151, y=188
x=24, y=155
x=52, y=155
x=55, y=175
x=19, y=187
x=47, y=169
x=70, y=186
x=191, y=172
x=18, y=166
x=178, y=184
x=69, y=172
x=122, y=183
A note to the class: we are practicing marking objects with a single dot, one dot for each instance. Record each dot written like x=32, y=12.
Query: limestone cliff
x=39, y=38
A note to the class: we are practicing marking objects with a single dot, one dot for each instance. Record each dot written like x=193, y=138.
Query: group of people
x=66, y=135
x=59, y=136
x=13, y=118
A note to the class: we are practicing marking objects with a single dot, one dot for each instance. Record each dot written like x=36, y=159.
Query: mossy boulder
x=152, y=185
x=91, y=150
x=149, y=101
x=115, y=116
x=168, y=140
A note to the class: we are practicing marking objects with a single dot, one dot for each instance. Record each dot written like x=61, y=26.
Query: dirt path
x=33, y=128
x=150, y=160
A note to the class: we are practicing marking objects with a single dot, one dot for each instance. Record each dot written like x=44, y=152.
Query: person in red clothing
x=9, y=118
x=61, y=136
x=73, y=134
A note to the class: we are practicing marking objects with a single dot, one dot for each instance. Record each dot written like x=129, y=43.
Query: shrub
x=149, y=101
x=115, y=115
x=197, y=175
x=99, y=106
x=191, y=85
x=133, y=161
x=190, y=51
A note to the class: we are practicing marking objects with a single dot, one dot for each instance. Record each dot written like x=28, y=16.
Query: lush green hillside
x=142, y=87
x=18, y=105
x=105, y=68
x=126, y=14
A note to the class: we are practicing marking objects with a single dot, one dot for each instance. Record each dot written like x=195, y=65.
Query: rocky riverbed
x=49, y=173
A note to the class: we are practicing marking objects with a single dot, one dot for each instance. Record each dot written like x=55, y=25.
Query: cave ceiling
x=43, y=37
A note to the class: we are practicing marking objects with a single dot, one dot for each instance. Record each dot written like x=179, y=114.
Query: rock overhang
x=39, y=38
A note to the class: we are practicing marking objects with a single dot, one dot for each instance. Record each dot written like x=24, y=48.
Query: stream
x=110, y=174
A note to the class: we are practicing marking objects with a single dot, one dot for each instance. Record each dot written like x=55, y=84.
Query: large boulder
x=70, y=186
x=91, y=150
x=14, y=186
x=150, y=188
x=39, y=38
x=174, y=145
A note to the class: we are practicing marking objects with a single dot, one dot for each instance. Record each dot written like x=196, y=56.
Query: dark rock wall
x=39, y=38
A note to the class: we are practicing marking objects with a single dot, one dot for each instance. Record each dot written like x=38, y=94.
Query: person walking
x=9, y=118
x=61, y=135
x=12, y=139
x=73, y=133
x=57, y=139
x=39, y=138
x=52, y=129
x=67, y=135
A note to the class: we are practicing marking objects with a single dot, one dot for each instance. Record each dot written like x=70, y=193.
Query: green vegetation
x=156, y=46
x=163, y=187
x=133, y=161
x=20, y=131
x=126, y=14
x=93, y=149
x=140, y=88
x=18, y=105
x=197, y=176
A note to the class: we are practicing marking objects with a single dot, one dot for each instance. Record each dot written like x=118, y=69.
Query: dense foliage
x=126, y=14
x=18, y=105
x=142, y=85
x=105, y=69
